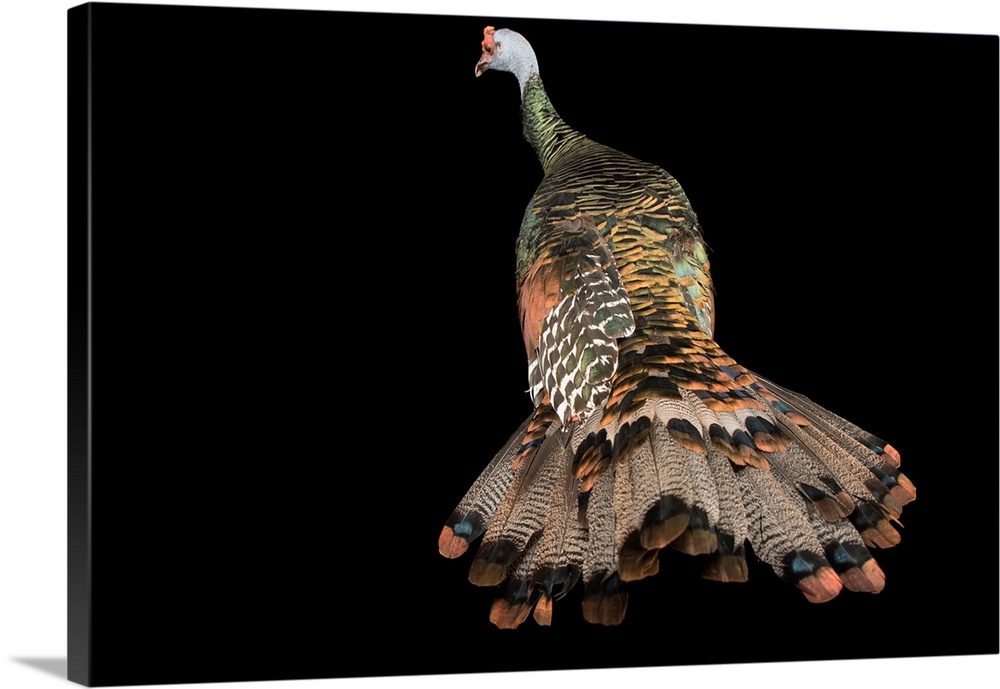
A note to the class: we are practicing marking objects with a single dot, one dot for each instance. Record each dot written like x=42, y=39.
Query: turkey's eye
x=488, y=48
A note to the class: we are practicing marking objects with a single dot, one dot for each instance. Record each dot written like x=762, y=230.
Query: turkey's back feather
x=646, y=434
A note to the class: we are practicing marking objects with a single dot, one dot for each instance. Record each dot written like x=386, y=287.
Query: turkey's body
x=645, y=433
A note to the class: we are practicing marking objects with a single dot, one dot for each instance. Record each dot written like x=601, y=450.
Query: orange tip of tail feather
x=874, y=574
x=726, y=568
x=867, y=578
x=543, y=611
x=507, y=616
x=821, y=586
x=904, y=492
x=450, y=545
x=696, y=542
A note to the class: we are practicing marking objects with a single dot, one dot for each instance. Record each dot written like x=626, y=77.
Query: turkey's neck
x=543, y=128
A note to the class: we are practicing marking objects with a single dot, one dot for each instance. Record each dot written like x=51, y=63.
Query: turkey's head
x=507, y=51
x=489, y=50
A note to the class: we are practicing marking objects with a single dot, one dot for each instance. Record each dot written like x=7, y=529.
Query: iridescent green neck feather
x=547, y=133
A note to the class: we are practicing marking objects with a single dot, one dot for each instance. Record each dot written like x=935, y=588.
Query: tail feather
x=783, y=537
x=604, y=597
x=691, y=451
x=847, y=554
x=700, y=537
x=476, y=509
x=829, y=420
x=728, y=562
x=637, y=562
x=511, y=609
x=875, y=529
x=814, y=481
x=560, y=547
x=520, y=515
x=727, y=431
x=661, y=495
x=848, y=479
x=858, y=479
x=633, y=561
x=873, y=452
x=842, y=545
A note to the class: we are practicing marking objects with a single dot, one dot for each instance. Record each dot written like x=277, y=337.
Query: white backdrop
x=33, y=331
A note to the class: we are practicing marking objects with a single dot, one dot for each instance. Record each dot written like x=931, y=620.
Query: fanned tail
x=690, y=451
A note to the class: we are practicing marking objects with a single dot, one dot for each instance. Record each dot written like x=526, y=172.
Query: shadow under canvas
x=52, y=666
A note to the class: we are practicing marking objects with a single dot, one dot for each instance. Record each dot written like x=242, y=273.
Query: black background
x=306, y=344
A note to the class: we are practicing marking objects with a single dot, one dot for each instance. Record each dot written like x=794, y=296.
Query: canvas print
x=350, y=292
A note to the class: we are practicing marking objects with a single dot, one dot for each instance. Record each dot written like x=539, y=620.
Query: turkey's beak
x=483, y=64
